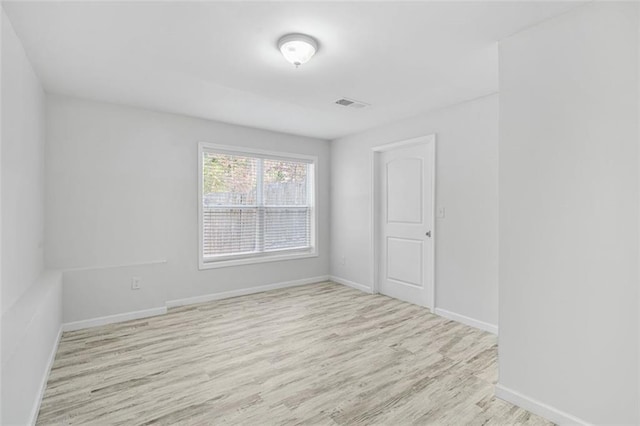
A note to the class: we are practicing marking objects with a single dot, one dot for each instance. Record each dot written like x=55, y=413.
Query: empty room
x=320, y=213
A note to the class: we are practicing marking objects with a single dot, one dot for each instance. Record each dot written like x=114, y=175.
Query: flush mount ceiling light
x=297, y=48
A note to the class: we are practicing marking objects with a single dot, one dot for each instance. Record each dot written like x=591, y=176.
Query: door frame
x=430, y=142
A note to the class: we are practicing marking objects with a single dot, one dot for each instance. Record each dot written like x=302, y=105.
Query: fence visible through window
x=253, y=205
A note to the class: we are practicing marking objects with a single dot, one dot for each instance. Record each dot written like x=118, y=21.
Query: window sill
x=258, y=259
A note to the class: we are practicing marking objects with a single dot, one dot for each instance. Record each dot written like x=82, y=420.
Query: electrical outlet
x=441, y=212
x=135, y=283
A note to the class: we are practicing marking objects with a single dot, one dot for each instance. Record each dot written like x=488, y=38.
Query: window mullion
x=260, y=201
x=311, y=204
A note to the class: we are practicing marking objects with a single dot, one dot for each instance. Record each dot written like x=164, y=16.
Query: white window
x=254, y=206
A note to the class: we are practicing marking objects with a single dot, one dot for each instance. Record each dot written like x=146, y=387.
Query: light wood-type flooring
x=319, y=354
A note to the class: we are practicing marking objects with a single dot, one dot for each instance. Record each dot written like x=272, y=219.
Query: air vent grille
x=344, y=102
x=351, y=103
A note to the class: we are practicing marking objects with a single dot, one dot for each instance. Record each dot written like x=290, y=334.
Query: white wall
x=466, y=185
x=22, y=170
x=569, y=216
x=31, y=297
x=2, y=25
x=122, y=189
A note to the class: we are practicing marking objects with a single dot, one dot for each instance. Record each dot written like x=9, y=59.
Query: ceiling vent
x=351, y=103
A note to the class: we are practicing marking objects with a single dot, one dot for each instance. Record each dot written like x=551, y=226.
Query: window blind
x=254, y=205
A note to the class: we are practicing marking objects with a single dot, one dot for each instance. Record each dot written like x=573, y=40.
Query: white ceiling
x=220, y=61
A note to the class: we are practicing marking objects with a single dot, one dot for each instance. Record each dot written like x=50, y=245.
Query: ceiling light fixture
x=297, y=48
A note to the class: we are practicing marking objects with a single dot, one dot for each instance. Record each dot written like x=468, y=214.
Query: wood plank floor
x=318, y=354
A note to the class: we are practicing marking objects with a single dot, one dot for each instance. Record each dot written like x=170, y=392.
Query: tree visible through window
x=254, y=205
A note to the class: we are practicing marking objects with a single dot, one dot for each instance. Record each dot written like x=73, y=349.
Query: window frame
x=272, y=256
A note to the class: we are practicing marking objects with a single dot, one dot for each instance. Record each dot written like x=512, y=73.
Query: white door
x=405, y=212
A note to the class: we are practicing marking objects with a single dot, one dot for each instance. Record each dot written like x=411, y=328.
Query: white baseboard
x=111, y=319
x=45, y=379
x=243, y=292
x=128, y=316
x=491, y=328
x=351, y=284
x=541, y=409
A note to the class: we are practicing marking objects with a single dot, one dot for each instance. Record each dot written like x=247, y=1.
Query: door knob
x=428, y=234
